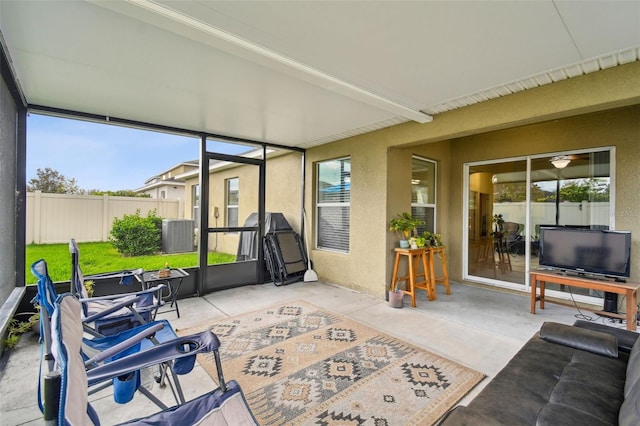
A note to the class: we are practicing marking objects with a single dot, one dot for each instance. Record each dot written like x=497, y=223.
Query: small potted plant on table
x=404, y=225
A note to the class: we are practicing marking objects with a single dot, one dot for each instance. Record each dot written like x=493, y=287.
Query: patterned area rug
x=301, y=365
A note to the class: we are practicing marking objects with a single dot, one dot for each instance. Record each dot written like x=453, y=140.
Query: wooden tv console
x=629, y=289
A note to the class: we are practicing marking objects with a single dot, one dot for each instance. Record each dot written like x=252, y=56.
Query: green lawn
x=96, y=258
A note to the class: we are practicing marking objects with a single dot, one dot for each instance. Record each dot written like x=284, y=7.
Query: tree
x=578, y=190
x=53, y=182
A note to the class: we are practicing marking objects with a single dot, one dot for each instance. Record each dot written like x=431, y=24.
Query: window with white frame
x=333, y=204
x=233, y=189
x=195, y=204
x=423, y=193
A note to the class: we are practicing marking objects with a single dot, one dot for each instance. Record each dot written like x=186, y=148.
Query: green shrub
x=134, y=235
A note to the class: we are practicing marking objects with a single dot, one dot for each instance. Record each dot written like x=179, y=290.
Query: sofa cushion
x=598, y=401
x=580, y=338
x=555, y=414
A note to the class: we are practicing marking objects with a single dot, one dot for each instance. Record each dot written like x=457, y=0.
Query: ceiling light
x=494, y=179
x=560, y=161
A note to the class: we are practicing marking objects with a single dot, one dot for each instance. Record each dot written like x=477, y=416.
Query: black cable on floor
x=579, y=315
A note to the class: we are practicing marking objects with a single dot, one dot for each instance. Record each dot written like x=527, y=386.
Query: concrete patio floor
x=479, y=328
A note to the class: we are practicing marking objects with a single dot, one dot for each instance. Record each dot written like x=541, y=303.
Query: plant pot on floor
x=395, y=298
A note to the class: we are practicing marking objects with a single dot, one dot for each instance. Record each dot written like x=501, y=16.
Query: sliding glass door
x=508, y=201
x=497, y=219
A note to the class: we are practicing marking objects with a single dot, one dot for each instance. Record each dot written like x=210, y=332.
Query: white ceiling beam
x=306, y=72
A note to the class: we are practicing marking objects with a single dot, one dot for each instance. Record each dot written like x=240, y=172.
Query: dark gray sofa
x=585, y=374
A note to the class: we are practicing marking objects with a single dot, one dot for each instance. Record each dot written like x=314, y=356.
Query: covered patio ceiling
x=303, y=73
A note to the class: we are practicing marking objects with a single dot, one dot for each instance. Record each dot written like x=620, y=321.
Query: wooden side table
x=443, y=279
x=414, y=258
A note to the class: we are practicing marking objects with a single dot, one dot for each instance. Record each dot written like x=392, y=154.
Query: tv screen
x=586, y=251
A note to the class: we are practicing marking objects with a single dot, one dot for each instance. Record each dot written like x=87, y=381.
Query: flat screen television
x=586, y=251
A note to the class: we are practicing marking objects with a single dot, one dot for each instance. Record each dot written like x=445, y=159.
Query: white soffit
x=551, y=76
x=435, y=55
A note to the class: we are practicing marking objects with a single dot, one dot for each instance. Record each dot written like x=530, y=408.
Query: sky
x=104, y=157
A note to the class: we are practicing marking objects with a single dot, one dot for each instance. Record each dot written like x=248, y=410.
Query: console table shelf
x=628, y=289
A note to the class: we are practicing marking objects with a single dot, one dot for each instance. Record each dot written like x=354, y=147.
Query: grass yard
x=97, y=258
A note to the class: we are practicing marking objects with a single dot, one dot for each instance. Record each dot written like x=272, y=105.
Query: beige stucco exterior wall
x=381, y=167
x=284, y=188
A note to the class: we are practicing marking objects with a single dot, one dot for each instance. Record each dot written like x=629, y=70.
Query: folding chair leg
x=52, y=383
x=174, y=382
x=152, y=397
x=222, y=383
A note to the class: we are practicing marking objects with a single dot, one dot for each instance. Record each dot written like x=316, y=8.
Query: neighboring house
x=170, y=183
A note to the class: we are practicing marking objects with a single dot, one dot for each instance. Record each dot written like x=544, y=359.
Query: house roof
x=303, y=73
x=185, y=165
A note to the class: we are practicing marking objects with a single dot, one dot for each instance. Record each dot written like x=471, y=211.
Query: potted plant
x=17, y=327
x=413, y=242
x=498, y=225
x=396, y=297
x=404, y=225
x=432, y=239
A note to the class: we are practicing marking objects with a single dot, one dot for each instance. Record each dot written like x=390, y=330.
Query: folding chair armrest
x=128, y=302
x=114, y=274
x=108, y=353
x=157, y=288
x=168, y=351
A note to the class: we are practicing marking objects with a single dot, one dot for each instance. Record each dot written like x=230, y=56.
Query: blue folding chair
x=142, y=311
x=102, y=349
x=66, y=393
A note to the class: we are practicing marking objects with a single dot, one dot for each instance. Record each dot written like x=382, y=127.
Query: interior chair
x=67, y=401
x=137, y=339
x=512, y=237
x=128, y=316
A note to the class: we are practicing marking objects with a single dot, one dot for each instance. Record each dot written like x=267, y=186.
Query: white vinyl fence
x=56, y=218
x=571, y=213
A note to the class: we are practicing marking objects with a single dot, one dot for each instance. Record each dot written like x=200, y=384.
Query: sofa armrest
x=626, y=338
x=580, y=338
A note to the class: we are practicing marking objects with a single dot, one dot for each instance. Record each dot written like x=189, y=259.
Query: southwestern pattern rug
x=299, y=364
